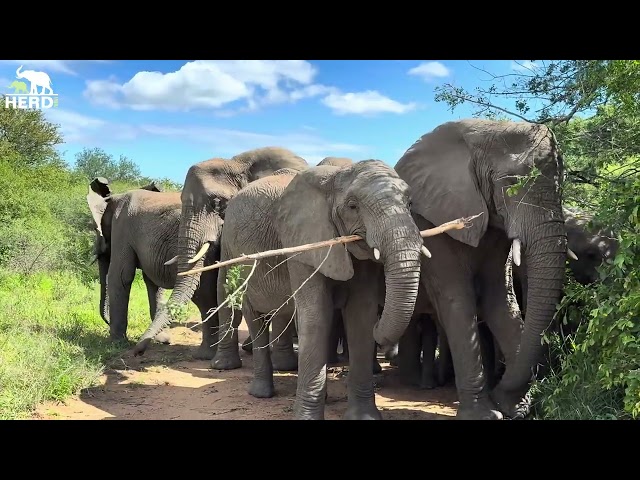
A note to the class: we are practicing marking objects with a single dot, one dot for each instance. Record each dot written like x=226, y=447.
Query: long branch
x=457, y=224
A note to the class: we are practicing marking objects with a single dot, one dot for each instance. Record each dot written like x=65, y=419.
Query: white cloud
x=57, y=66
x=210, y=84
x=526, y=66
x=430, y=70
x=365, y=103
x=82, y=129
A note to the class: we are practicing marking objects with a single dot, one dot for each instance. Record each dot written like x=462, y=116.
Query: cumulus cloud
x=526, y=66
x=365, y=103
x=210, y=84
x=430, y=70
x=220, y=84
x=57, y=66
x=82, y=129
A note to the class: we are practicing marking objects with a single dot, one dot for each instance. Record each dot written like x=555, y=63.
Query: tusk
x=376, y=253
x=425, y=251
x=200, y=254
x=571, y=254
x=172, y=261
x=516, y=251
x=93, y=259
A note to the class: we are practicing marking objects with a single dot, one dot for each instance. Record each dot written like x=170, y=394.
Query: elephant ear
x=152, y=187
x=98, y=198
x=303, y=215
x=438, y=168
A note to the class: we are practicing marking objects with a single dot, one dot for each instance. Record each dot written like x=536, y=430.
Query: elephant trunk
x=545, y=256
x=196, y=229
x=103, y=270
x=400, y=249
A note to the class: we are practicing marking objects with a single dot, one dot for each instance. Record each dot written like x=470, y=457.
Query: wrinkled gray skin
x=338, y=333
x=323, y=202
x=208, y=186
x=463, y=168
x=137, y=229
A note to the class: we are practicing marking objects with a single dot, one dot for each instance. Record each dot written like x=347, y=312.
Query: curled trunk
x=402, y=278
x=194, y=232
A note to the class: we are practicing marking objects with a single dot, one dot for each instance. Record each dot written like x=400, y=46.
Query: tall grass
x=53, y=342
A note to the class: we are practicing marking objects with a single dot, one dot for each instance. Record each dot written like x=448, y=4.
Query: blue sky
x=167, y=115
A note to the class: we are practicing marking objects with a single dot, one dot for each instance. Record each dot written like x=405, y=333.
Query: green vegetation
x=593, y=107
x=52, y=340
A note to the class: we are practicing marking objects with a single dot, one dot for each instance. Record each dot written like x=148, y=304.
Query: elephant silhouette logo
x=39, y=95
x=18, y=87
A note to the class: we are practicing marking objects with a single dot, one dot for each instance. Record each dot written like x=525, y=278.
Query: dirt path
x=167, y=384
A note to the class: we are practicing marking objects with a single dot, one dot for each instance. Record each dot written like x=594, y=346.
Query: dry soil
x=167, y=384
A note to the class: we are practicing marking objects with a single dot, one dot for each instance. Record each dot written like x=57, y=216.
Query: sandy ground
x=167, y=384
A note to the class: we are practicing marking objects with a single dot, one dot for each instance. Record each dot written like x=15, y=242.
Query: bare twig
x=457, y=224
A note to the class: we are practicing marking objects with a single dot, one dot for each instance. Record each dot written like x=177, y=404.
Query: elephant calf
x=320, y=203
x=139, y=229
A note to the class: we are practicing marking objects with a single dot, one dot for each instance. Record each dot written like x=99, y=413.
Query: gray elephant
x=463, y=168
x=208, y=186
x=137, y=229
x=323, y=202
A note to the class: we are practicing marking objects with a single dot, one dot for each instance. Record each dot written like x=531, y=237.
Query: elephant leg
x=283, y=357
x=334, y=338
x=315, y=309
x=227, y=355
x=456, y=308
x=206, y=302
x=444, y=363
x=408, y=358
x=488, y=354
x=505, y=322
x=428, y=339
x=360, y=315
x=122, y=271
x=247, y=345
x=155, y=296
x=262, y=384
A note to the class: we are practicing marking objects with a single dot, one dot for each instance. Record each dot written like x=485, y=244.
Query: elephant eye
x=352, y=205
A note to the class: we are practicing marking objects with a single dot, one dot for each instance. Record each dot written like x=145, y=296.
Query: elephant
x=464, y=168
x=37, y=79
x=366, y=199
x=208, y=187
x=137, y=229
x=18, y=87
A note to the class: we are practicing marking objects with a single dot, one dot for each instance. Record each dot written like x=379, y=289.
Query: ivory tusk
x=172, y=261
x=376, y=253
x=572, y=254
x=425, y=251
x=516, y=251
x=200, y=254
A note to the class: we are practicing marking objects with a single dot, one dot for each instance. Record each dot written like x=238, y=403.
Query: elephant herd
x=464, y=294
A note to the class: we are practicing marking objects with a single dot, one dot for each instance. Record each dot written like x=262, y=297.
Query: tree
x=27, y=138
x=95, y=162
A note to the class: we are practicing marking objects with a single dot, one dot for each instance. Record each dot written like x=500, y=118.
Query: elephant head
x=102, y=204
x=589, y=246
x=367, y=199
x=208, y=186
x=465, y=167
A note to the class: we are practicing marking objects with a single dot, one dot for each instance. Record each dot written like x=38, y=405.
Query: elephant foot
x=226, y=361
x=513, y=406
x=428, y=382
x=362, y=412
x=205, y=352
x=247, y=346
x=262, y=388
x=285, y=361
x=480, y=409
x=163, y=337
x=377, y=368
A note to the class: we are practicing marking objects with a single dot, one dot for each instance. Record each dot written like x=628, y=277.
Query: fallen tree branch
x=457, y=224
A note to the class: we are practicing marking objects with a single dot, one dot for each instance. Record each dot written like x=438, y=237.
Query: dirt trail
x=167, y=384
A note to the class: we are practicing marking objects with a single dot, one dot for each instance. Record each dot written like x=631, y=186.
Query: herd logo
x=30, y=98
